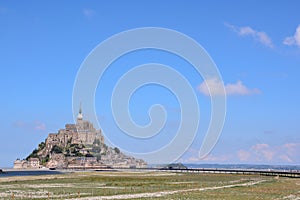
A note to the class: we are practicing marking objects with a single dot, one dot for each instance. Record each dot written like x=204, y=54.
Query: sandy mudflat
x=159, y=185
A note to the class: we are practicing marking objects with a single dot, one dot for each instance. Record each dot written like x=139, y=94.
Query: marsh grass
x=90, y=184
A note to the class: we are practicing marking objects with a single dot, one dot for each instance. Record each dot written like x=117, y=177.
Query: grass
x=174, y=186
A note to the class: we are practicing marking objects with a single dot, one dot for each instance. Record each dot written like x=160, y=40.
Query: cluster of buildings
x=73, y=147
x=31, y=163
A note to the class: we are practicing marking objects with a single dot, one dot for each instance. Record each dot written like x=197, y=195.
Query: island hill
x=78, y=146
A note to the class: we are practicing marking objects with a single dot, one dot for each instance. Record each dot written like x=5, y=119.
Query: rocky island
x=77, y=146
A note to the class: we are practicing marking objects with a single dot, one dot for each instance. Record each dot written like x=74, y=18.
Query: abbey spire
x=80, y=116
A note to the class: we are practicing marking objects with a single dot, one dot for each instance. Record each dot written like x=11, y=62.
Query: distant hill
x=174, y=166
x=244, y=166
x=78, y=145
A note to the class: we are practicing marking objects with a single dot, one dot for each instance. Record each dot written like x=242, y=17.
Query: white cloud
x=286, y=158
x=264, y=153
x=208, y=158
x=243, y=155
x=215, y=87
x=291, y=148
x=258, y=147
x=260, y=153
x=212, y=86
x=35, y=125
x=259, y=36
x=217, y=158
x=239, y=89
x=40, y=126
x=88, y=12
x=293, y=40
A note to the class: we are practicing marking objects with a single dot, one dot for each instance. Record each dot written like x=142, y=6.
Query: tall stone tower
x=86, y=131
x=79, y=116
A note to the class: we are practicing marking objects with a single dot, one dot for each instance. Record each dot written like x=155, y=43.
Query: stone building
x=83, y=132
x=31, y=163
x=78, y=145
x=20, y=164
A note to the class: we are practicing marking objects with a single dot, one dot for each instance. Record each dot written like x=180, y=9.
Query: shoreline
x=4, y=170
x=11, y=172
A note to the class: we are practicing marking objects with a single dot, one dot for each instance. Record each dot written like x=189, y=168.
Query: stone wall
x=81, y=132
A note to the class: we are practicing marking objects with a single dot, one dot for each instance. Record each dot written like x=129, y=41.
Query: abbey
x=83, y=132
x=78, y=145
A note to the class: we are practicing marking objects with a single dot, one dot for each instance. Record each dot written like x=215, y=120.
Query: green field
x=148, y=185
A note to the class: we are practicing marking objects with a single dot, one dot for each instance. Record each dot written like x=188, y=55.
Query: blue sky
x=255, y=45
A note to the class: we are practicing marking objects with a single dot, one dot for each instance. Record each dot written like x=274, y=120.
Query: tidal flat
x=148, y=185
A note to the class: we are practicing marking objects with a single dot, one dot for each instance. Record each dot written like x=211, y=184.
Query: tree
x=117, y=150
x=96, y=149
x=78, y=154
x=96, y=142
x=42, y=145
x=56, y=149
x=34, y=154
x=88, y=155
x=45, y=160
x=67, y=152
x=98, y=156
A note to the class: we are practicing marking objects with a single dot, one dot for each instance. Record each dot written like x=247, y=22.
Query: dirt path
x=164, y=193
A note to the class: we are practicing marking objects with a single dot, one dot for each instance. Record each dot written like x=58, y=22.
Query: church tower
x=79, y=116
